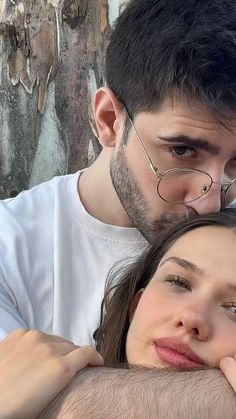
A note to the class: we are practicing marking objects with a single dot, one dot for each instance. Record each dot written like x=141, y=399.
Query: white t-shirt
x=54, y=260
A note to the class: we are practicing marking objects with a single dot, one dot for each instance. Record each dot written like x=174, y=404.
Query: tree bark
x=51, y=62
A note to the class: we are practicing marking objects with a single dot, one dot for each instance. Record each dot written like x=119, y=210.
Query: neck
x=98, y=195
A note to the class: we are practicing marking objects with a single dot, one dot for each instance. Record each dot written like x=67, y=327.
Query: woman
x=174, y=307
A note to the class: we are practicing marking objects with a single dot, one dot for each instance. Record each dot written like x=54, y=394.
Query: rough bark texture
x=51, y=62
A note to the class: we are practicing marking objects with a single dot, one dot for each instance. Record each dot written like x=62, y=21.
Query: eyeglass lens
x=230, y=194
x=174, y=187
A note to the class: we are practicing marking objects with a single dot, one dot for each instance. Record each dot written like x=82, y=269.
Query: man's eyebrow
x=231, y=287
x=198, y=143
x=186, y=264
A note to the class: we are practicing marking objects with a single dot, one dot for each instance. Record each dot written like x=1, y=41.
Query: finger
x=63, y=348
x=33, y=334
x=80, y=358
x=36, y=337
x=58, y=339
x=228, y=367
x=36, y=343
x=37, y=334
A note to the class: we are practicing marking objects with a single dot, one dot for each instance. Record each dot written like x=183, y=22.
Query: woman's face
x=186, y=316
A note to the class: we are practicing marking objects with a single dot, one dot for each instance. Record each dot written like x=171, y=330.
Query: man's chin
x=167, y=221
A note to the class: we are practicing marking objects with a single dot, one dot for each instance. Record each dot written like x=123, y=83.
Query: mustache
x=174, y=217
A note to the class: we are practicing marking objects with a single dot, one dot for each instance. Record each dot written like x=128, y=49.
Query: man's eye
x=231, y=307
x=232, y=162
x=183, y=151
x=178, y=281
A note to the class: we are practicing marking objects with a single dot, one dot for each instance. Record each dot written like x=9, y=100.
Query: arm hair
x=143, y=393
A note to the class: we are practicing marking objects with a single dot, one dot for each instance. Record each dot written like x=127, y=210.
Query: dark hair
x=121, y=288
x=175, y=49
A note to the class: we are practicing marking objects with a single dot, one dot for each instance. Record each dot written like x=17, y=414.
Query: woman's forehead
x=209, y=247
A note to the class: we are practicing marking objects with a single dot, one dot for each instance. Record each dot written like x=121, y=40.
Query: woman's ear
x=109, y=116
x=134, y=303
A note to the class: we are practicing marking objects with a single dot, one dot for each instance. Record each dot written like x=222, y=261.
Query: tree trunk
x=51, y=63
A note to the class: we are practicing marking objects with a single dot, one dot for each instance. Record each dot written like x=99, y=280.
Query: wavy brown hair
x=127, y=279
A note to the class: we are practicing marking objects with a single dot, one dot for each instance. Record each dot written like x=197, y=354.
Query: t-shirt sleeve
x=10, y=318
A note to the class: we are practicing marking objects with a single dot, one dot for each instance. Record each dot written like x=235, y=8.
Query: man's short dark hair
x=175, y=49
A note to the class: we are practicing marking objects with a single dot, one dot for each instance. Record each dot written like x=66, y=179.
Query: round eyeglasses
x=173, y=185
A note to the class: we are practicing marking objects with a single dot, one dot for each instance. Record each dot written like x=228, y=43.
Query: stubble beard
x=134, y=203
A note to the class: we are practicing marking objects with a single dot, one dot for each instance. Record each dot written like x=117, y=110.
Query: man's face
x=180, y=137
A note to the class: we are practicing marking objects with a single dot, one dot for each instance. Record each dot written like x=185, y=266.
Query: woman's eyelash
x=178, y=281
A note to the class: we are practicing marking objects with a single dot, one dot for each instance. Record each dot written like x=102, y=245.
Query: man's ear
x=109, y=116
x=134, y=303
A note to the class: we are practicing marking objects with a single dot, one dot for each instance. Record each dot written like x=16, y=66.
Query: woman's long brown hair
x=127, y=279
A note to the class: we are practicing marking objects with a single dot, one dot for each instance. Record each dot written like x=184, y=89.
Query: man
x=167, y=124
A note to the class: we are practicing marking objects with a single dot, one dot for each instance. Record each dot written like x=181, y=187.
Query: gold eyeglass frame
x=205, y=188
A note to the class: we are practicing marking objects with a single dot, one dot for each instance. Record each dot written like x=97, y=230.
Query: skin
x=121, y=179
x=121, y=175
x=36, y=367
x=200, y=311
x=198, y=308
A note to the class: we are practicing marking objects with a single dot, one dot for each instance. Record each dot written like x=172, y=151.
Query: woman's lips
x=177, y=353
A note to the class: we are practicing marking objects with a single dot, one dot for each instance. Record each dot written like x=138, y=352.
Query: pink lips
x=177, y=353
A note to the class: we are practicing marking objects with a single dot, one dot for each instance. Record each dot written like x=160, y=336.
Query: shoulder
x=29, y=229
x=27, y=221
x=36, y=203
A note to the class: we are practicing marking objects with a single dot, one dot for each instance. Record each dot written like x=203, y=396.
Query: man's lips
x=177, y=353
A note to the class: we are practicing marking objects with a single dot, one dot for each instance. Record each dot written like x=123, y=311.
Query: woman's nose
x=193, y=320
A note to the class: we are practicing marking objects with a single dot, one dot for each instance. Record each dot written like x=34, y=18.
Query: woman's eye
x=178, y=281
x=183, y=151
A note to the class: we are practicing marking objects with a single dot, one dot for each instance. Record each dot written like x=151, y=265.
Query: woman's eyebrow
x=184, y=263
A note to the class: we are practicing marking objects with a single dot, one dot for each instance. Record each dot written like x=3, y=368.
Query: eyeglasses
x=173, y=185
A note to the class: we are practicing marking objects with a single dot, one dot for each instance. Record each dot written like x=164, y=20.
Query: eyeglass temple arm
x=225, y=186
x=153, y=168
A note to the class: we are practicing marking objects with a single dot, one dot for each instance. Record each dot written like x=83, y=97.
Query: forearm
x=99, y=393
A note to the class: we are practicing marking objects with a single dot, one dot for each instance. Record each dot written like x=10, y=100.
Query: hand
x=228, y=367
x=34, y=368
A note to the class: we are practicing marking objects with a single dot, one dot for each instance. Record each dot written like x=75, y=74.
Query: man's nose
x=192, y=320
x=210, y=202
